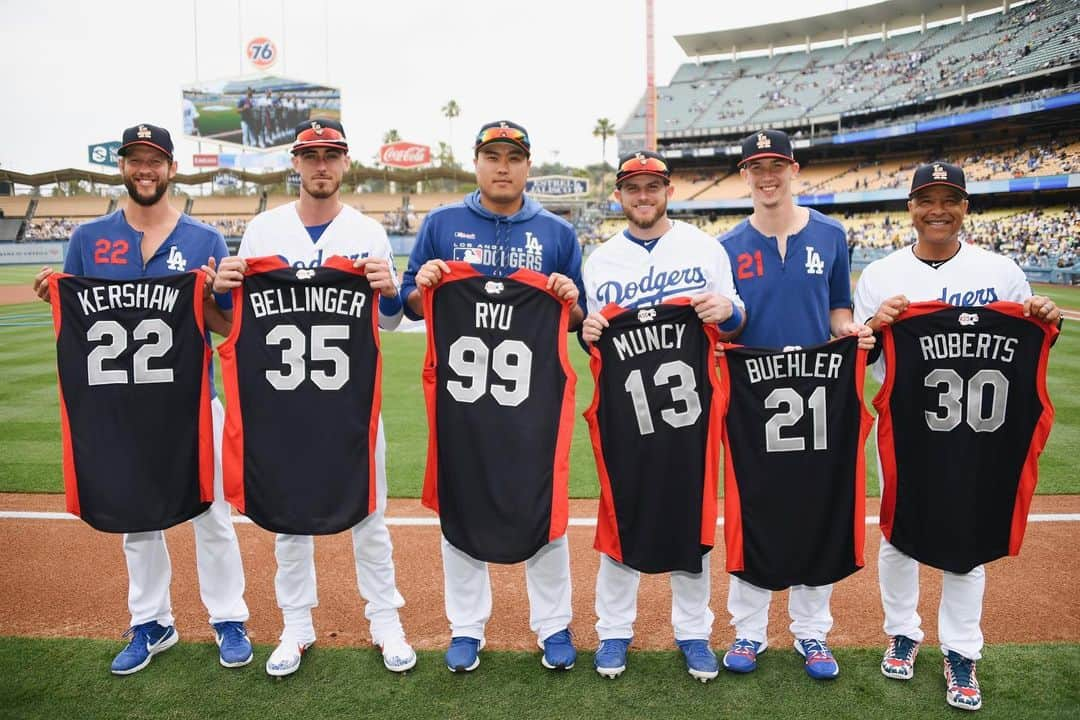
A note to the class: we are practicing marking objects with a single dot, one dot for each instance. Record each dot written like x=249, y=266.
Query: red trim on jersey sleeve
x=712, y=447
x=232, y=444
x=560, y=491
x=206, y=418
x=429, y=375
x=344, y=264
x=733, y=532
x=265, y=263
x=607, y=538
x=71, y=485
x=376, y=398
x=886, y=449
x=866, y=422
x=1029, y=473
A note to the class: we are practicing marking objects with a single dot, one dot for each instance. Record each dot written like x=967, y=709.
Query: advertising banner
x=405, y=155
x=256, y=112
x=103, y=153
x=561, y=186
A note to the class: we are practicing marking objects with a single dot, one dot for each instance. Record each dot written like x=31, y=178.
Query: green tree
x=450, y=111
x=391, y=136
x=603, y=130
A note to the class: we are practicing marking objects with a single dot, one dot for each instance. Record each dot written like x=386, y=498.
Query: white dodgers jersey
x=682, y=263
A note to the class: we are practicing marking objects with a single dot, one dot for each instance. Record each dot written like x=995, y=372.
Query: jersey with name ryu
x=301, y=371
x=500, y=402
x=963, y=415
x=655, y=428
x=794, y=474
x=132, y=361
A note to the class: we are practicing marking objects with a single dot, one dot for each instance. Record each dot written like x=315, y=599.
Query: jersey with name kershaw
x=132, y=363
x=681, y=263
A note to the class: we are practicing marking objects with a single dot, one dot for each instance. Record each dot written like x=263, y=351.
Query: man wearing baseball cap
x=939, y=266
x=498, y=229
x=147, y=238
x=791, y=270
x=306, y=233
x=653, y=245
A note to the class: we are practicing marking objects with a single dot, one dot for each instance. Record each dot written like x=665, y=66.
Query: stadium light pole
x=650, y=80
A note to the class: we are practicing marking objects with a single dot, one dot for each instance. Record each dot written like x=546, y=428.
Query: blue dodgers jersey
x=788, y=300
x=496, y=245
x=110, y=248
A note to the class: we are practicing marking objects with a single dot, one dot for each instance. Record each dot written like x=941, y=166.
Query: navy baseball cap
x=320, y=132
x=643, y=162
x=146, y=134
x=766, y=144
x=938, y=173
x=503, y=131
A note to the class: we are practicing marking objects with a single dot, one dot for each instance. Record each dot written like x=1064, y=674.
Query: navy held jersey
x=134, y=399
x=655, y=427
x=500, y=401
x=794, y=472
x=301, y=370
x=963, y=415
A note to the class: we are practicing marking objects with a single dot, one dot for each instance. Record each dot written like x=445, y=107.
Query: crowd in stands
x=50, y=229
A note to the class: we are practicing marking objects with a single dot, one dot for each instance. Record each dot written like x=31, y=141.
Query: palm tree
x=604, y=129
x=391, y=136
x=450, y=111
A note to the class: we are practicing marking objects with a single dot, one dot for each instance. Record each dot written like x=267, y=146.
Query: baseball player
x=151, y=238
x=498, y=229
x=938, y=267
x=307, y=233
x=791, y=270
x=655, y=259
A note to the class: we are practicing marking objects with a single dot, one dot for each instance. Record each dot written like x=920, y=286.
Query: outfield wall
x=33, y=252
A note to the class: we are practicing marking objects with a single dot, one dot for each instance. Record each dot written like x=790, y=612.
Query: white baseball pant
x=296, y=587
x=959, y=612
x=467, y=587
x=217, y=558
x=808, y=607
x=616, y=601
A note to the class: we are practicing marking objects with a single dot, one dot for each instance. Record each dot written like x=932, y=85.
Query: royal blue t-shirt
x=109, y=248
x=788, y=300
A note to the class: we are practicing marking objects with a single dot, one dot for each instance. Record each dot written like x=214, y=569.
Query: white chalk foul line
x=434, y=522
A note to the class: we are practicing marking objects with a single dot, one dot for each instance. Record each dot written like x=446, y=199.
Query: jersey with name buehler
x=301, y=373
x=655, y=429
x=962, y=417
x=134, y=400
x=500, y=398
x=794, y=475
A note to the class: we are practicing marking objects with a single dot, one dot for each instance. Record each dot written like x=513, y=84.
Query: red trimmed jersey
x=500, y=403
x=132, y=362
x=962, y=417
x=794, y=467
x=301, y=370
x=655, y=427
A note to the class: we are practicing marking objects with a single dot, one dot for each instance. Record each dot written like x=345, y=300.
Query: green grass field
x=69, y=679
x=1019, y=681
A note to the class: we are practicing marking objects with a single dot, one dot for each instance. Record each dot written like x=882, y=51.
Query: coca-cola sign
x=404, y=155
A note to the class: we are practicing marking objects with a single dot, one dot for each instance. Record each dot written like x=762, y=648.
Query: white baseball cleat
x=398, y=655
x=285, y=660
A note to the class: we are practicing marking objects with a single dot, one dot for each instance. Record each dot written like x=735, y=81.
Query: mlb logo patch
x=305, y=274
x=968, y=319
x=646, y=315
x=473, y=255
x=493, y=288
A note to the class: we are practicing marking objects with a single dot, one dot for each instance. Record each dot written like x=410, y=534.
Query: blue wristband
x=390, y=305
x=733, y=322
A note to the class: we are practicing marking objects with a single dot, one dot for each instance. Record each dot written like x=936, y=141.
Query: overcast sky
x=78, y=72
